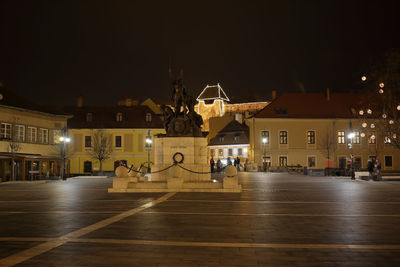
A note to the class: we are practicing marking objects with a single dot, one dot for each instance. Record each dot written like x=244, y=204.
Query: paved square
x=278, y=220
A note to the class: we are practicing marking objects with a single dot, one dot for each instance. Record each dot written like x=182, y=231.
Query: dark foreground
x=278, y=220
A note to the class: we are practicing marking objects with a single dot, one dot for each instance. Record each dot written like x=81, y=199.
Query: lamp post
x=64, y=140
x=351, y=137
x=149, y=143
x=264, y=141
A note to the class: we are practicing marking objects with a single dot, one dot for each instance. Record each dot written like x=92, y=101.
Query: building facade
x=126, y=126
x=29, y=137
x=317, y=131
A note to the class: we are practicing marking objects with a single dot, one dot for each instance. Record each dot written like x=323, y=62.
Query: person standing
x=218, y=165
x=378, y=167
x=370, y=167
x=238, y=163
x=212, y=164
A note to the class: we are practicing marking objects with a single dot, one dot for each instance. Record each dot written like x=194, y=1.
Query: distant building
x=127, y=125
x=312, y=130
x=29, y=134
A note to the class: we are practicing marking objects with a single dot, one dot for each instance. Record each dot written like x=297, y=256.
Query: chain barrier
x=176, y=162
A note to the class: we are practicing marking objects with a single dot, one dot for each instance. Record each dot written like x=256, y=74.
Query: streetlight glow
x=363, y=78
x=264, y=140
x=351, y=135
x=67, y=139
x=61, y=138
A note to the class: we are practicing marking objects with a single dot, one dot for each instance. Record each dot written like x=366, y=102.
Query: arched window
x=148, y=117
x=119, y=116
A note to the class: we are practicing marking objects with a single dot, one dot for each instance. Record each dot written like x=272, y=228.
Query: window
x=341, y=139
x=371, y=138
x=236, y=138
x=32, y=134
x=282, y=161
x=119, y=116
x=240, y=151
x=388, y=137
x=311, y=137
x=230, y=152
x=220, y=139
x=388, y=161
x=20, y=133
x=44, y=136
x=88, y=141
x=212, y=151
x=265, y=134
x=356, y=138
x=311, y=162
x=220, y=152
x=118, y=141
x=89, y=116
x=283, y=137
x=148, y=117
x=87, y=166
x=5, y=130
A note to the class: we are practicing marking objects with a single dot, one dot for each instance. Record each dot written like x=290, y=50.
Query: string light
x=391, y=122
x=369, y=111
x=380, y=91
x=384, y=116
x=381, y=85
x=362, y=134
x=363, y=78
x=372, y=125
x=361, y=112
x=364, y=124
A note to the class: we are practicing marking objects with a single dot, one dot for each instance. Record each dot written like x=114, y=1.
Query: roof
x=213, y=92
x=312, y=105
x=106, y=117
x=227, y=134
x=12, y=100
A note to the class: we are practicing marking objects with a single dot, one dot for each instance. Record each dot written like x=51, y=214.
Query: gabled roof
x=105, y=117
x=234, y=128
x=12, y=100
x=213, y=92
x=312, y=105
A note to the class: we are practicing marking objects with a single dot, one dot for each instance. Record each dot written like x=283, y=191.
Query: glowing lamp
x=363, y=78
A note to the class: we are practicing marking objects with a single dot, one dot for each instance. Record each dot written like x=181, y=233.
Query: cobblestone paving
x=278, y=220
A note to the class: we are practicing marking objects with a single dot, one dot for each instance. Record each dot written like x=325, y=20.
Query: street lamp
x=351, y=136
x=64, y=140
x=264, y=141
x=149, y=143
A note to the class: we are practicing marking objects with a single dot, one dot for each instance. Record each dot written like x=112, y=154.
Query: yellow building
x=313, y=130
x=127, y=126
x=29, y=134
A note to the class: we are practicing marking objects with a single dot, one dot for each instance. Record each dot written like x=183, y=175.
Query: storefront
x=29, y=167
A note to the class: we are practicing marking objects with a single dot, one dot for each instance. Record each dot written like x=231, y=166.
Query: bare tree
x=327, y=144
x=14, y=145
x=101, y=147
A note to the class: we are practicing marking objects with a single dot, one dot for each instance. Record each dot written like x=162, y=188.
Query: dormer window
x=119, y=116
x=221, y=139
x=89, y=116
x=148, y=117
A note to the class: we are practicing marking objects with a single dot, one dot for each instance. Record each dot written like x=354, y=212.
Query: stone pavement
x=278, y=220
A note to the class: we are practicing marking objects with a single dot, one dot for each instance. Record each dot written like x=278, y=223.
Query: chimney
x=79, y=102
x=328, y=94
x=273, y=95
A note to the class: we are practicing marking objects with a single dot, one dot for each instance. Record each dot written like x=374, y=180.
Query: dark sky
x=53, y=51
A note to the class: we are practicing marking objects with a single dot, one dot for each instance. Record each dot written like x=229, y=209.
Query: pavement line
x=58, y=212
x=236, y=245
x=273, y=214
x=27, y=239
x=282, y=202
x=44, y=247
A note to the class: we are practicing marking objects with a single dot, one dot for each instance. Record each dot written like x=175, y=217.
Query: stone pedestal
x=194, y=150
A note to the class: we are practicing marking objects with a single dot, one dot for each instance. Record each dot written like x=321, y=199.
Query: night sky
x=54, y=51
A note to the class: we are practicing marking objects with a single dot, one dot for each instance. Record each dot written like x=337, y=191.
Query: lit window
x=89, y=117
x=311, y=137
x=341, y=139
x=265, y=134
x=283, y=137
x=371, y=138
x=230, y=152
x=282, y=161
x=311, y=162
x=240, y=151
x=20, y=133
x=356, y=138
x=32, y=134
x=5, y=130
x=220, y=152
x=119, y=116
x=148, y=117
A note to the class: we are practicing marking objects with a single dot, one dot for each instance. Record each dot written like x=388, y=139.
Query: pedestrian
x=212, y=164
x=370, y=167
x=378, y=167
x=238, y=163
x=229, y=162
x=218, y=165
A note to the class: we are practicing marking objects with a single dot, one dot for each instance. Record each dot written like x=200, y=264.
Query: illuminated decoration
x=384, y=116
x=363, y=78
x=381, y=91
x=391, y=122
x=394, y=136
x=361, y=112
x=369, y=111
x=372, y=125
x=362, y=134
x=398, y=107
x=364, y=124
x=381, y=85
